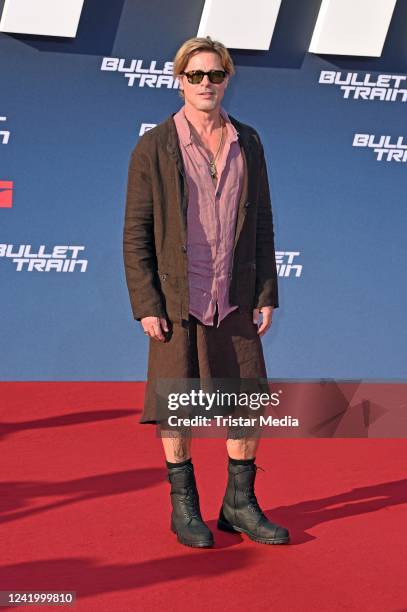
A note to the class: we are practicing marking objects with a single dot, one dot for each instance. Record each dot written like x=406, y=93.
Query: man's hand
x=267, y=312
x=154, y=326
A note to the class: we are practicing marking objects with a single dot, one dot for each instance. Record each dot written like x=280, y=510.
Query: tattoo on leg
x=178, y=441
x=180, y=448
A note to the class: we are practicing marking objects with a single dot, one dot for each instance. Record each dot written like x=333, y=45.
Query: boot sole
x=223, y=526
x=201, y=544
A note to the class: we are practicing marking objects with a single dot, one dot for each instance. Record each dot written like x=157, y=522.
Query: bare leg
x=176, y=444
x=244, y=448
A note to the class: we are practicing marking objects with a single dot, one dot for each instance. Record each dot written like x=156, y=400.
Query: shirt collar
x=184, y=131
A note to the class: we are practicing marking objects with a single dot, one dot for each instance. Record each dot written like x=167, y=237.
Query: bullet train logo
x=6, y=194
x=138, y=73
x=286, y=266
x=383, y=147
x=4, y=134
x=382, y=87
x=58, y=259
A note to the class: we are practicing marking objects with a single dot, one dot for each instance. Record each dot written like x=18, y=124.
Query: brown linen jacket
x=155, y=228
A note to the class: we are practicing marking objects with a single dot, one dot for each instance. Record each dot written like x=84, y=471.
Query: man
x=200, y=265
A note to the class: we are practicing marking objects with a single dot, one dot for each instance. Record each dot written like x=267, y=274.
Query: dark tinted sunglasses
x=196, y=76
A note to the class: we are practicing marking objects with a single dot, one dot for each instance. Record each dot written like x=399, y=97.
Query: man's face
x=204, y=96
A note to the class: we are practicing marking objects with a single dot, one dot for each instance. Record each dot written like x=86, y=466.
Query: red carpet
x=85, y=507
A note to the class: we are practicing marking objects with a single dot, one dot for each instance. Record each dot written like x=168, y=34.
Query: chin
x=206, y=104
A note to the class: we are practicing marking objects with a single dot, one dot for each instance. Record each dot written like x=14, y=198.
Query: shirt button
x=218, y=194
x=184, y=248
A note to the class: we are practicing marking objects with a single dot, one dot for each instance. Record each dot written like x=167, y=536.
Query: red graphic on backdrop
x=6, y=194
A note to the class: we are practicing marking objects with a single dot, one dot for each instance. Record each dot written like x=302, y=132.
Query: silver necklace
x=212, y=165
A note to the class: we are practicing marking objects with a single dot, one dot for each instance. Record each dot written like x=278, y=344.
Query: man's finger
x=164, y=324
x=156, y=330
x=266, y=323
x=256, y=316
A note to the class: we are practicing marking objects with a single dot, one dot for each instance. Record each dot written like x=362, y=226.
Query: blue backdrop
x=66, y=132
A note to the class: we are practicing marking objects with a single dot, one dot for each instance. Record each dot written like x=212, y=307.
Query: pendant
x=212, y=169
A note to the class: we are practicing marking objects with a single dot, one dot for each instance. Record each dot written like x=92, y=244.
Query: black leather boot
x=186, y=518
x=241, y=512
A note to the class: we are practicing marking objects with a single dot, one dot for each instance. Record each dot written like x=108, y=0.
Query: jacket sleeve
x=266, y=293
x=140, y=262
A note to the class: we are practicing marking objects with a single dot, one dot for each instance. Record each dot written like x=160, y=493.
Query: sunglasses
x=196, y=76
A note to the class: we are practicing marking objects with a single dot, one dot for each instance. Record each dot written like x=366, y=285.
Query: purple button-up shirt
x=211, y=219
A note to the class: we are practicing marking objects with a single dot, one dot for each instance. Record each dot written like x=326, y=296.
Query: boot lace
x=253, y=504
x=191, y=509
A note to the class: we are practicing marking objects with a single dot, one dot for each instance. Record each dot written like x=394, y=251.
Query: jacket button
x=247, y=204
x=184, y=248
x=163, y=277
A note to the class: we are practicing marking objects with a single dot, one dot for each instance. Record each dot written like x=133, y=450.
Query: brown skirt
x=193, y=350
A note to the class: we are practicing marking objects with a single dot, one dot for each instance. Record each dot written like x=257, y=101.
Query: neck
x=204, y=122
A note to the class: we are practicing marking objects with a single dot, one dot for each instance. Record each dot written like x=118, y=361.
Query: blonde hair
x=196, y=45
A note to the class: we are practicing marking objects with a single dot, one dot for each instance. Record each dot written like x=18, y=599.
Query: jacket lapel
x=246, y=149
x=182, y=186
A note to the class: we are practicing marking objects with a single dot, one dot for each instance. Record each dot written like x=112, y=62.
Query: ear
x=180, y=81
